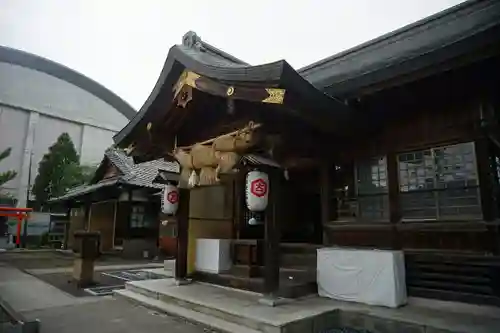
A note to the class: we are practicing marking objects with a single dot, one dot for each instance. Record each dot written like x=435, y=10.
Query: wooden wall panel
x=408, y=130
x=448, y=236
x=362, y=236
x=210, y=216
x=76, y=222
x=464, y=237
x=101, y=219
x=212, y=202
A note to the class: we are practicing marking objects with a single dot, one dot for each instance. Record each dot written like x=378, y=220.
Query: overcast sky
x=123, y=43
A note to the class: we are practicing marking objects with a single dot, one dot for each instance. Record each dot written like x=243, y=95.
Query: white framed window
x=439, y=183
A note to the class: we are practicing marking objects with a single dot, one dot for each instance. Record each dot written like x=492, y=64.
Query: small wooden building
x=121, y=202
x=405, y=156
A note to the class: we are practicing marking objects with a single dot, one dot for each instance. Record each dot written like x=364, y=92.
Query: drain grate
x=104, y=290
x=134, y=275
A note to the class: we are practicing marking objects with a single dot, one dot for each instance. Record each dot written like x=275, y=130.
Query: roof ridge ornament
x=193, y=41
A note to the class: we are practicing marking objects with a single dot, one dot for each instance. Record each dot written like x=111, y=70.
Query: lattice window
x=140, y=218
x=439, y=183
x=372, y=189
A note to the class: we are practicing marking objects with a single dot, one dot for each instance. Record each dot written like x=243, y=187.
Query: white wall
x=35, y=108
x=93, y=139
x=34, y=90
x=13, y=126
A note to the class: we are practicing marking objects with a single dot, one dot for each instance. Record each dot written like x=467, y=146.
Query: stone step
x=216, y=306
x=291, y=286
x=194, y=305
x=179, y=311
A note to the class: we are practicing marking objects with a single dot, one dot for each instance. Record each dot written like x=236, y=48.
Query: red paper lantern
x=257, y=191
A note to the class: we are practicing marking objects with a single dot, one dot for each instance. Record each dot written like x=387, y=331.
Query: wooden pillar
x=115, y=212
x=325, y=196
x=485, y=178
x=129, y=211
x=486, y=188
x=394, y=207
x=238, y=204
x=181, y=261
x=67, y=226
x=25, y=231
x=272, y=236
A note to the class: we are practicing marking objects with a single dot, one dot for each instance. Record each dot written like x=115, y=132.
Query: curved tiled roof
x=210, y=62
x=432, y=40
x=140, y=175
x=31, y=61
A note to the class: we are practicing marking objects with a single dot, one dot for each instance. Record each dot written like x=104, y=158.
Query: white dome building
x=39, y=100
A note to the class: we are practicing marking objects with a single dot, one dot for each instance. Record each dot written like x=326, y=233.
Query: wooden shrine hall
x=405, y=156
x=274, y=120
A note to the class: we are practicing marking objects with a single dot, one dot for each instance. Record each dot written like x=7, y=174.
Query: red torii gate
x=19, y=213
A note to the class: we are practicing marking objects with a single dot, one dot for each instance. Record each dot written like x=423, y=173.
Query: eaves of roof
x=82, y=190
x=193, y=55
x=437, y=38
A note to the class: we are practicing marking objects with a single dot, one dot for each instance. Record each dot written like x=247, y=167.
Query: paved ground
x=109, y=316
x=51, y=260
x=55, y=268
x=61, y=312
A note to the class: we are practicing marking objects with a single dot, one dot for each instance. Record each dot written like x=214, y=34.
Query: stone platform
x=230, y=310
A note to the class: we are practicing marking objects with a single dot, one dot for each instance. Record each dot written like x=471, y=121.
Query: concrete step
x=193, y=305
x=217, y=306
x=179, y=311
x=291, y=284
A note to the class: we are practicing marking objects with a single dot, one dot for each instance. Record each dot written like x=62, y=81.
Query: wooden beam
x=182, y=235
x=272, y=236
x=268, y=95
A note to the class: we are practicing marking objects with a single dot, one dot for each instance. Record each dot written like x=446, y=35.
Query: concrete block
x=384, y=325
x=300, y=326
x=362, y=321
x=352, y=319
x=439, y=330
x=326, y=321
x=272, y=301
